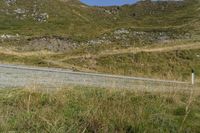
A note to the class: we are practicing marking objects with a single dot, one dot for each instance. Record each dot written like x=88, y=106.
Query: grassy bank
x=175, y=64
x=80, y=109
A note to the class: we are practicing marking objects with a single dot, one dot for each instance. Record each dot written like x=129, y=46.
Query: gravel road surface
x=24, y=76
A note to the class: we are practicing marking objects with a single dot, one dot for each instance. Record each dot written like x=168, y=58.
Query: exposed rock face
x=55, y=44
x=123, y=37
x=98, y=41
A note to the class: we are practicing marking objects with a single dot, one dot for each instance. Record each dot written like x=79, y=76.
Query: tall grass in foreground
x=81, y=109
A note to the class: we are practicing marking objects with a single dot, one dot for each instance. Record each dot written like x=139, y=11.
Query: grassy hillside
x=80, y=109
x=152, y=39
x=148, y=39
x=74, y=19
x=64, y=18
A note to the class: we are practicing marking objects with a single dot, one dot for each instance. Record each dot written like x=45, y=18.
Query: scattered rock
x=110, y=11
x=41, y=17
x=98, y=41
x=23, y=13
x=121, y=31
x=20, y=11
x=9, y=37
x=10, y=2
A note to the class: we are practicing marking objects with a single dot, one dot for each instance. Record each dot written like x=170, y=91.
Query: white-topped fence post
x=193, y=76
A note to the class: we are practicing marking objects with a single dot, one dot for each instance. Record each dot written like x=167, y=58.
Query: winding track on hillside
x=107, y=52
x=134, y=50
x=24, y=76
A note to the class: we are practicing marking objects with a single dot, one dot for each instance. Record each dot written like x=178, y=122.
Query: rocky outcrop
x=55, y=44
x=122, y=37
x=34, y=11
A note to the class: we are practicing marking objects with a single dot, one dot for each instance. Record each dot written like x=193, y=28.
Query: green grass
x=172, y=65
x=28, y=60
x=81, y=109
x=75, y=20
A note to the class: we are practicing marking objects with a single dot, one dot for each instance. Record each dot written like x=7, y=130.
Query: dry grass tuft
x=83, y=109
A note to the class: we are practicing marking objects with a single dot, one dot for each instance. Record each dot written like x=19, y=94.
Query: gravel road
x=24, y=76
